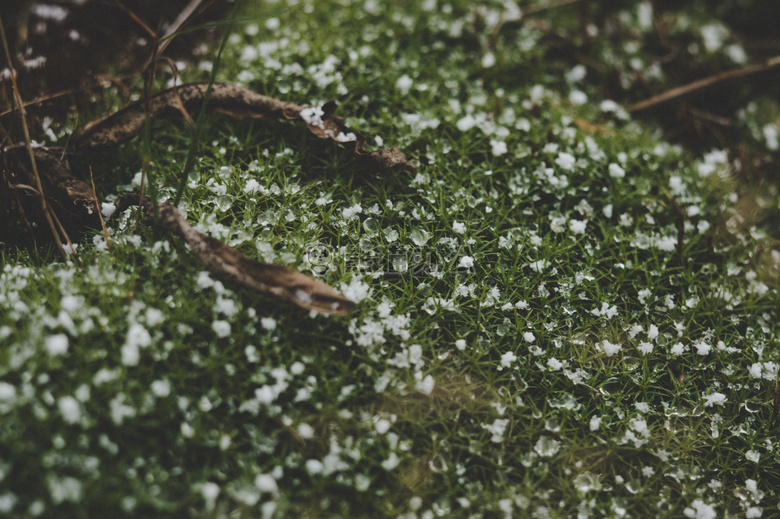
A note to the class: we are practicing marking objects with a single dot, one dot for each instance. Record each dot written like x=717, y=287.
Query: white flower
x=499, y=147
x=466, y=262
x=507, y=359
x=529, y=337
x=404, y=84
x=268, y=323
x=350, y=212
x=57, y=344
x=425, y=385
x=565, y=161
x=702, y=348
x=458, y=227
x=70, y=409
x=266, y=483
x=715, y=398
x=466, y=123
x=609, y=348
x=221, y=328
x=578, y=226
x=615, y=171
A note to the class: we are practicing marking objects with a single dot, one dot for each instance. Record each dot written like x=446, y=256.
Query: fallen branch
x=230, y=265
x=705, y=83
x=238, y=102
x=75, y=204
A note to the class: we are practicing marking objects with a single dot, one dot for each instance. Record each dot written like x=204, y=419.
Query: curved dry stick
x=707, y=82
x=230, y=265
x=239, y=102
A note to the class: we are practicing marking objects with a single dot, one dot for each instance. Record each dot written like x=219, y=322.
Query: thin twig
x=136, y=19
x=544, y=7
x=23, y=116
x=530, y=11
x=100, y=211
x=67, y=239
x=177, y=24
x=707, y=82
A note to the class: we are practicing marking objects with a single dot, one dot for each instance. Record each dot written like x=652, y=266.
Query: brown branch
x=704, y=83
x=230, y=265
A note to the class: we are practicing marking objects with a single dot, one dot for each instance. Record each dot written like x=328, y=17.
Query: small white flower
x=578, y=226
x=57, y=344
x=507, y=359
x=466, y=262
x=529, y=337
x=609, y=348
x=499, y=147
x=221, y=328
x=425, y=385
x=715, y=398
x=565, y=161
x=404, y=84
x=459, y=227
x=268, y=323
x=70, y=409
x=266, y=483
x=615, y=171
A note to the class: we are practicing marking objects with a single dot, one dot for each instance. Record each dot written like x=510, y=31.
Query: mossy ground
x=560, y=312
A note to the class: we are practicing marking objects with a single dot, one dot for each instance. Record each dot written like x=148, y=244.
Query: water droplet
x=552, y=425
x=224, y=202
x=266, y=233
x=675, y=411
x=537, y=413
x=586, y=482
x=752, y=406
x=400, y=264
x=429, y=306
x=633, y=485
x=442, y=508
x=503, y=329
x=472, y=202
x=631, y=363
x=483, y=345
x=437, y=463
x=370, y=225
x=419, y=237
x=424, y=289
x=619, y=506
x=268, y=217
x=444, y=355
x=565, y=401
x=365, y=244
x=546, y=446
x=520, y=383
x=528, y=459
